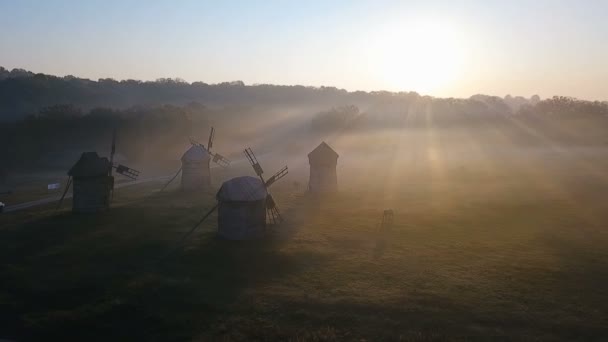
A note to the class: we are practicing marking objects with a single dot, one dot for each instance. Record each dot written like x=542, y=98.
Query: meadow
x=499, y=234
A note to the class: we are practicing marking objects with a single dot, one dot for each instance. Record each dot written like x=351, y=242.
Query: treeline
x=57, y=135
x=563, y=106
x=54, y=119
x=420, y=111
x=24, y=93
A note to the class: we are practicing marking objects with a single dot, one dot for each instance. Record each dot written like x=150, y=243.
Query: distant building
x=323, y=161
x=195, y=169
x=92, y=183
x=242, y=208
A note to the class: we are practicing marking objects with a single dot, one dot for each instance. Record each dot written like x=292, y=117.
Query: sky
x=439, y=48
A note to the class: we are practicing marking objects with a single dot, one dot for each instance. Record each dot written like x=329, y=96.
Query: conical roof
x=323, y=153
x=242, y=189
x=195, y=153
x=90, y=165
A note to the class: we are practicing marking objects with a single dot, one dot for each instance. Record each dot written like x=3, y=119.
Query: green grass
x=496, y=249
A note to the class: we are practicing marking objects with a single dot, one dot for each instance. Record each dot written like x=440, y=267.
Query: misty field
x=495, y=237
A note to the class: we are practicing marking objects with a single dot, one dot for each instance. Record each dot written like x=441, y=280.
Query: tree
x=335, y=118
x=60, y=112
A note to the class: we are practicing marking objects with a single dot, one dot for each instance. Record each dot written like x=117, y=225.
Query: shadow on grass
x=97, y=277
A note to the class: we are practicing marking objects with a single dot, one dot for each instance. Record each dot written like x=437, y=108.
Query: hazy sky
x=441, y=48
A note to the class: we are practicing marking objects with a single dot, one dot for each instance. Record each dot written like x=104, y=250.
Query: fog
x=499, y=204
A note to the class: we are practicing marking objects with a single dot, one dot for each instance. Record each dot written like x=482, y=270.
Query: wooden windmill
x=93, y=180
x=195, y=164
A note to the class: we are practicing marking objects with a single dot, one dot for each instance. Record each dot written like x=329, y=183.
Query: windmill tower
x=241, y=208
x=323, y=161
x=195, y=169
x=93, y=181
x=244, y=204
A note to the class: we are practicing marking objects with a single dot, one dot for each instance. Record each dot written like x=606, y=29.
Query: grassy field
x=500, y=245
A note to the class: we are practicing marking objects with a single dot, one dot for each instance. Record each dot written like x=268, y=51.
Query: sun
x=423, y=56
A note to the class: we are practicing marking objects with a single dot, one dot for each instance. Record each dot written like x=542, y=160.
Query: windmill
x=244, y=204
x=93, y=180
x=272, y=211
x=194, y=171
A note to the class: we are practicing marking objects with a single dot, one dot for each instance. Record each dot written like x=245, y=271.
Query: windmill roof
x=242, y=189
x=195, y=153
x=90, y=165
x=323, y=150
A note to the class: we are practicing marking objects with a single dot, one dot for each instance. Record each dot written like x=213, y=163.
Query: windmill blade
x=254, y=162
x=211, y=136
x=126, y=171
x=67, y=187
x=220, y=160
x=272, y=210
x=282, y=173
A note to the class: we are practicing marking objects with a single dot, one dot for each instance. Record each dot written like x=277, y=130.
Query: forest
x=47, y=121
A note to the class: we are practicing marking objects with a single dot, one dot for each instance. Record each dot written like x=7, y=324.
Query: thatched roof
x=322, y=154
x=242, y=189
x=195, y=153
x=90, y=165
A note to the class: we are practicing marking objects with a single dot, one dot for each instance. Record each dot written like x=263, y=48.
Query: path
x=47, y=200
